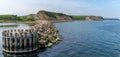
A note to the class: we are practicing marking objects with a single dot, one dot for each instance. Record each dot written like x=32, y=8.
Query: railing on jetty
x=19, y=41
x=23, y=41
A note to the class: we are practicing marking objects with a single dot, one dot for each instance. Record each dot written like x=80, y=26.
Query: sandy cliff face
x=45, y=15
x=96, y=18
x=53, y=16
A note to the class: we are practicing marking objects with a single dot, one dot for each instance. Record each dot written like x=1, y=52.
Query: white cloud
x=72, y=7
x=23, y=7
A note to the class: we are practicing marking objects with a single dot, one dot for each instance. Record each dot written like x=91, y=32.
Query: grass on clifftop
x=14, y=18
x=79, y=17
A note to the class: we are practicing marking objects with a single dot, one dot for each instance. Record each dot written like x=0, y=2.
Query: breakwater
x=41, y=35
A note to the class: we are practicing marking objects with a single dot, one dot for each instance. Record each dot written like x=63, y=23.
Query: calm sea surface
x=81, y=39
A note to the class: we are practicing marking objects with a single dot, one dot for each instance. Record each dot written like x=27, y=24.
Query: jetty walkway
x=42, y=35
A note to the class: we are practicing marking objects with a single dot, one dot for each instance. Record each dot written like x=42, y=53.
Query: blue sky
x=105, y=8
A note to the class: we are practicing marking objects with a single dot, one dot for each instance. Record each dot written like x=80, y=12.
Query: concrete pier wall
x=41, y=35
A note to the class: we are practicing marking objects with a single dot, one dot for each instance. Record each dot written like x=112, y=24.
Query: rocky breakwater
x=47, y=34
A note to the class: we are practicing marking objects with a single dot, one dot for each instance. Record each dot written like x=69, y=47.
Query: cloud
x=106, y=8
x=23, y=7
x=13, y=7
x=66, y=6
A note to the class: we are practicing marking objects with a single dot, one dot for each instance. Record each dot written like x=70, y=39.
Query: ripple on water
x=90, y=39
x=86, y=39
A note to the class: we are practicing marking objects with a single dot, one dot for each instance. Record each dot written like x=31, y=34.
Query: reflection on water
x=31, y=54
x=88, y=39
x=2, y=25
x=8, y=25
x=20, y=55
x=31, y=24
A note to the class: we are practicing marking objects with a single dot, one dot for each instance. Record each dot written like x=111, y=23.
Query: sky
x=105, y=8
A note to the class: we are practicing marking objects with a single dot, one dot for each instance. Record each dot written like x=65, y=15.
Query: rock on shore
x=47, y=34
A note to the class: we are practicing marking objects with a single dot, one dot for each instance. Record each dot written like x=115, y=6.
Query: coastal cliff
x=96, y=18
x=46, y=15
x=53, y=16
x=88, y=18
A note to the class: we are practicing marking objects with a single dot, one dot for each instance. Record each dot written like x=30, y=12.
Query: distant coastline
x=111, y=19
x=46, y=15
x=50, y=16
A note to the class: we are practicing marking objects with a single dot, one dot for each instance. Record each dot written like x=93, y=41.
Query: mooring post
x=21, y=37
x=7, y=39
x=11, y=36
x=3, y=39
x=25, y=39
x=15, y=41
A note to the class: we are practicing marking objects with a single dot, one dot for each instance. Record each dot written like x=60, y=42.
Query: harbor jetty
x=42, y=35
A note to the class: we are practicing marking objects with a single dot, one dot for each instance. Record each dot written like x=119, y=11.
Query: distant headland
x=53, y=16
x=46, y=15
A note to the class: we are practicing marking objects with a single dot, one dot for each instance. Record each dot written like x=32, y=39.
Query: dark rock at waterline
x=47, y=34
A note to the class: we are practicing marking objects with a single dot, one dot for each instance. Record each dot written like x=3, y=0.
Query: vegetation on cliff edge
x=46, y=15
x=14, y=18
x=78, y=17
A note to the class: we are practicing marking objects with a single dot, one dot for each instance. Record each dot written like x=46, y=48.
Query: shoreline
x=19, y=22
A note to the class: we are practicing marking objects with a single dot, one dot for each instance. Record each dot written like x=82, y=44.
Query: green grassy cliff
x=14, y=18
x=46, y=15
x=79, y=17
